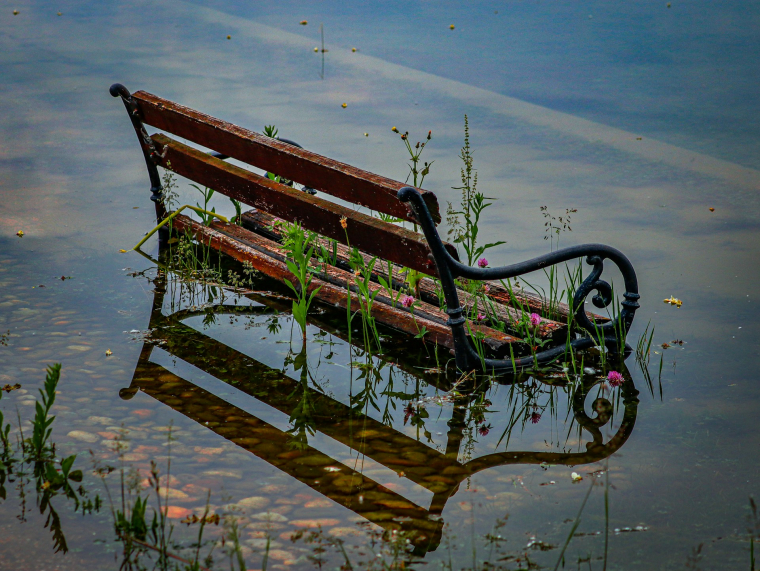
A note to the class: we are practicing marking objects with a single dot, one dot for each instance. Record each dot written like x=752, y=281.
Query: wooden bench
x=441, y=310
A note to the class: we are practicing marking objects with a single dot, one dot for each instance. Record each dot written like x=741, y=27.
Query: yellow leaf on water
x=20, y=233
x=451, y=27
x=344, y=105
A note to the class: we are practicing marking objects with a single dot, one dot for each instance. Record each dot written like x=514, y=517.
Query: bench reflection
x=438, y=472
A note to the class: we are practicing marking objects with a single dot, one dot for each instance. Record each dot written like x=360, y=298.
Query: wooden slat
x=372, y=235
x=261, y=223
x=332, y=177
x=495, y=339
x=238, y=243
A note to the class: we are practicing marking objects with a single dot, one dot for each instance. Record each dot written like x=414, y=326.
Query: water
x=558, y=97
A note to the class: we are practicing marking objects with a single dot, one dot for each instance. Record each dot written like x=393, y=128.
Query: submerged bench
x=442, y=310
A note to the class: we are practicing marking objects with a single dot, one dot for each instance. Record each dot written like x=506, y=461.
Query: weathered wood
x=372, y=235
x=262, y=223
x=244, y=245
x=332, y=177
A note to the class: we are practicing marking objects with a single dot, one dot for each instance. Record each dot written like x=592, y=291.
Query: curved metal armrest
x=449, y=269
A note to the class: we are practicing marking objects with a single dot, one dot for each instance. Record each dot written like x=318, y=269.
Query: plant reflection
x=370, y=423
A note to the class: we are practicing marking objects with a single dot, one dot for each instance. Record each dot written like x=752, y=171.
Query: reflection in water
x=29, y=465
x=312, y=410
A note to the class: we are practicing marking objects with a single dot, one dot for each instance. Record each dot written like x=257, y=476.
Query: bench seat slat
x=387, y=241
x=244, y=245
x=321, y=173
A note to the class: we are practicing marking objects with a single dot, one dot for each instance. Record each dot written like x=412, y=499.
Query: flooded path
x=289, y=440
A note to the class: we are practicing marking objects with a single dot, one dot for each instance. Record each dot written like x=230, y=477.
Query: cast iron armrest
x=599, y=334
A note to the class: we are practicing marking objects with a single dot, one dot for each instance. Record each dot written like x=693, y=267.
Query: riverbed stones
x=254, y=503
x=83, y=436
x=269, y=517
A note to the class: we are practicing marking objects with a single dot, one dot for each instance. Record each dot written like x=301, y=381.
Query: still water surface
x=640, y=116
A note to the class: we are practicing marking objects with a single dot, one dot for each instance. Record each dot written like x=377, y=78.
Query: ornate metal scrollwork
x=449, y=269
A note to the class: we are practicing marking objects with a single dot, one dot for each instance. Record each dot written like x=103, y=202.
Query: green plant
x=169, y=194
x=555, y=225
x=300, y=251
x=366, y=297
x=34, y=461
x=237, y=219
x=203, y=211
x=464, y=223
x=417, y=175
x=41, y=425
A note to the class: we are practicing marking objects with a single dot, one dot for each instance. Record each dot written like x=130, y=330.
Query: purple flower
x=407, y=301
x=481, y=317
x=487, y=288
x=535, y=319
x=482, y=262
x=615, y=379
x=535, y=416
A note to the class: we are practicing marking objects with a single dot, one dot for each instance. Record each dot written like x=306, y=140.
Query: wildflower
x=344, y=222
x=535, y=319
x=484, y=430
x=303, y=22
x=481, y=316
x=535, y=416
x=615, y=379
x=407, y=301
x=487, y=288
x=482, y=262
x=430, y=135
x=403, y=137
x=394, y=130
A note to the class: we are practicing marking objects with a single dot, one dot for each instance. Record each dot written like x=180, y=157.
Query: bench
x=443, y=309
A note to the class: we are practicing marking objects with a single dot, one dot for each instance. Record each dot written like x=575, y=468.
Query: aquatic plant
x=203, y=211
x=555, y=225
x=41, y=425
x=464, y=222
x=299, y=248
x=34, y=460
x=416, y=173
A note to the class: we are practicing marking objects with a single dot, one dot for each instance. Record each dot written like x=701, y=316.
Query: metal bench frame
x=599, y=334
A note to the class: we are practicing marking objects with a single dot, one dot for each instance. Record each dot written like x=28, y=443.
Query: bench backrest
x=331, y=177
